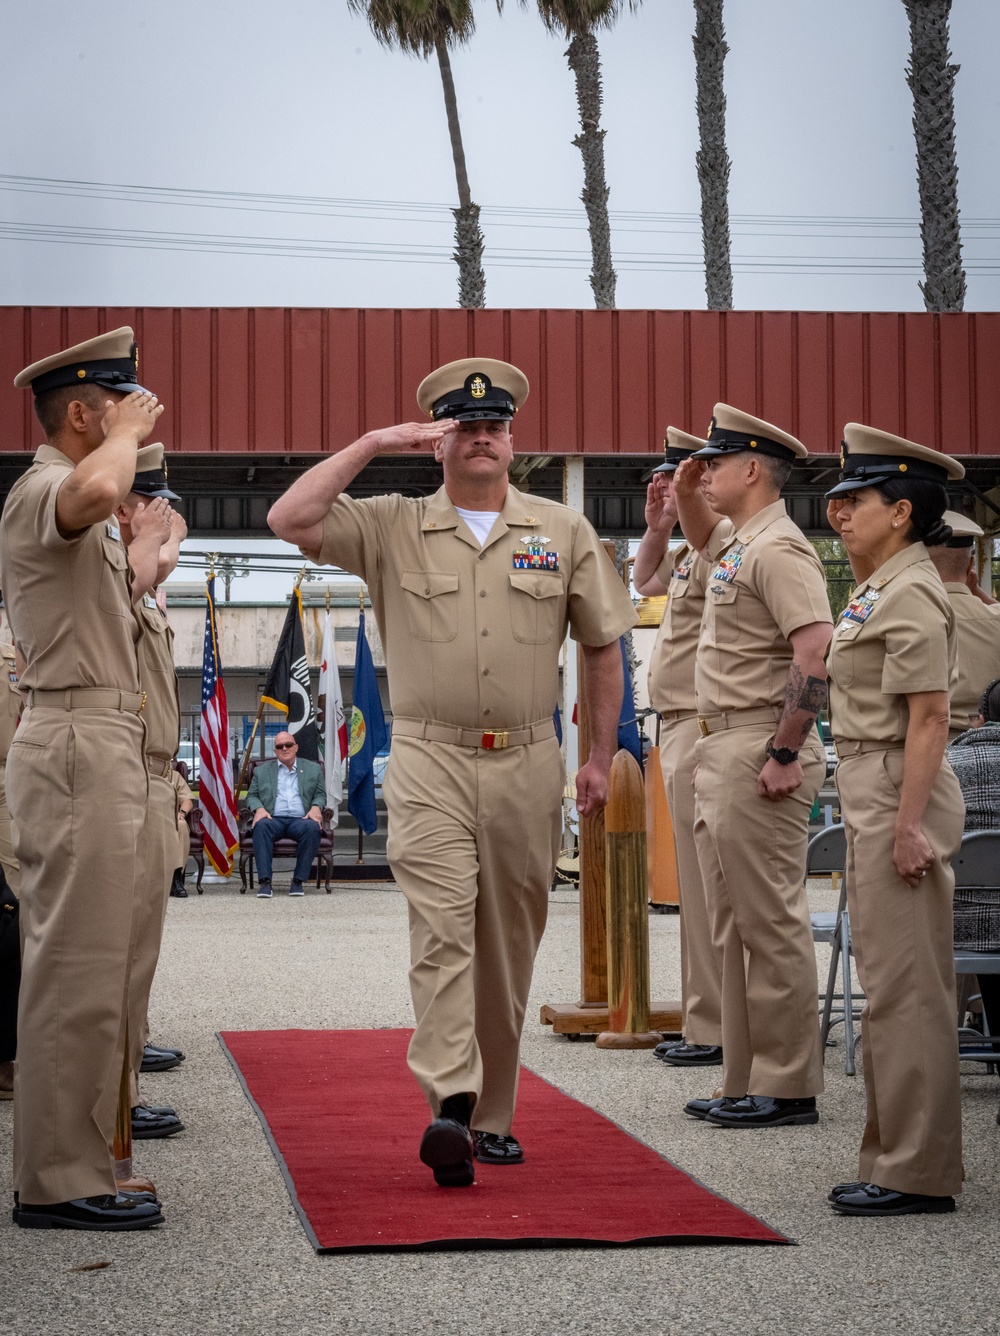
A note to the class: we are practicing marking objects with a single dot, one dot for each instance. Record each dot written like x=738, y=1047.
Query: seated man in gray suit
x=287, y=797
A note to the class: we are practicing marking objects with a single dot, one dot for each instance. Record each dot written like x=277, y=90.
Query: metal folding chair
x=827, y=853
x=977, y=871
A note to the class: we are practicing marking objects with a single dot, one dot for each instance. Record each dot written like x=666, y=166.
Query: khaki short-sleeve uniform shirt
x=69, y=599
x=11, y=700
x=157, y=678
x=671, y=665
x=896, y=636
x=977, y=626
x=767, y=582
x=472, y=635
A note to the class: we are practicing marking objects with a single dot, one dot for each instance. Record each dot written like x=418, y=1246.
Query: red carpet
x=344, y=1118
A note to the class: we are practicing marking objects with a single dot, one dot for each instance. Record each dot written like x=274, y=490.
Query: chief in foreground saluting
x=473, y=589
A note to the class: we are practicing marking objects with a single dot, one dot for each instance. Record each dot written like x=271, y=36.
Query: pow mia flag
x=288, y=688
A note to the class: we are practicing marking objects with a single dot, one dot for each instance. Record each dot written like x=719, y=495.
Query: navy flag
x=288, y=687
x=369, y=736
x=628, y=727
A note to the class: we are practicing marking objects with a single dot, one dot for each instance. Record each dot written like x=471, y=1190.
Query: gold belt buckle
x=495, y=741
x=703, y=728
x=142, y=703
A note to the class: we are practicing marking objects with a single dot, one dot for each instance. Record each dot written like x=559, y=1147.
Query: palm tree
x=932, y=82
x=425, y=28
x=712, y=160
x=578, y=20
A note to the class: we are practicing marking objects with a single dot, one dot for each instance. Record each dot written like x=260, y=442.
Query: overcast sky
x=246, y=98
x=329, y=178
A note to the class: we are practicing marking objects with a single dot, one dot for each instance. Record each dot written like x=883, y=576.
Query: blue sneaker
x=264, y=890
x=296, y=888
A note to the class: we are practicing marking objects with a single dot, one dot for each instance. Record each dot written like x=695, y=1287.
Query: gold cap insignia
x=902, y=468
x=477, y=387
x=81, y=374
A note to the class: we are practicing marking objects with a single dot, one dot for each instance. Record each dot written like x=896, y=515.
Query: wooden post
x=627, y=914
x=125, y=1178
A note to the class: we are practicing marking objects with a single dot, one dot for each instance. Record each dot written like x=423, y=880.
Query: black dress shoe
x=839, y=1189
x=156, y=1059
x=178, y=888
x=160, y=1109
x=661, y=1050
x=108, y=1212
x=701, y=1108
x=148, y=1124
x=873, y=1200
x=765, y=1111
x=446, y=1147
x=492, y=1148
x=694, y=1055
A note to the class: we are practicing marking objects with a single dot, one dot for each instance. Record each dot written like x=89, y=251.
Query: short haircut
x=51, y=405
x=778, y=470
x=989, y=706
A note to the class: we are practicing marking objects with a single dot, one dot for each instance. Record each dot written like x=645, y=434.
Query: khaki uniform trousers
x=77, y=788
x=157, y=851
x=752, y=854
x=903, y=941
x=701, y=977
x=473, y=841
x=7, y=860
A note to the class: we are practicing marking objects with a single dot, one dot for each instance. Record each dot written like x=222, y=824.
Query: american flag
x=215, y=789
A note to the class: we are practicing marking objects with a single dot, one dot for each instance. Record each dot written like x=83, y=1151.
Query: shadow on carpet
x=344, y=1118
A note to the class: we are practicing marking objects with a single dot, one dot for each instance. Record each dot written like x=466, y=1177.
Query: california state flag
x=332, y=722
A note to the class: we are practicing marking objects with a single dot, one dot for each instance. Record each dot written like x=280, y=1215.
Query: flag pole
x=361, y=833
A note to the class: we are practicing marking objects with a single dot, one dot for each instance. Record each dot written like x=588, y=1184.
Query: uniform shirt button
x=486, y=712
x=482, y=593
x=486, y=672
x=484, y=632
x=482, y=556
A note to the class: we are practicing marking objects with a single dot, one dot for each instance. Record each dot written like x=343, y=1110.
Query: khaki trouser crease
x=473, y=841
x=751, y=852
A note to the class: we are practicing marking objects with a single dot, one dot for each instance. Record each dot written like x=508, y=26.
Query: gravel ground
x=233, y=1258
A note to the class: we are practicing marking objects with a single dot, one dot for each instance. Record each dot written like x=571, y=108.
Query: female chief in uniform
x=891, y=661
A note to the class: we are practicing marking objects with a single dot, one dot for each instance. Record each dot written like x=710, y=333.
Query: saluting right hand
x=152, y=519
x=136, y=413
x=412, y=436
x=833, y=513
x=661, y=510
x=687, y=478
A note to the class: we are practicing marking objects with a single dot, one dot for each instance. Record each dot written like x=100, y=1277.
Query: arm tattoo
x=806, y=694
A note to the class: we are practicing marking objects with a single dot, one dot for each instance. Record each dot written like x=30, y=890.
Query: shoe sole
x=157, y=1135
x=672, y=1061
x=160, y=1066
x=447, y=1153
x=294, y=895
x=264, y=897
x=33, y=1221
x=944, y=1208
x=789, y=1120
x=487, y=1159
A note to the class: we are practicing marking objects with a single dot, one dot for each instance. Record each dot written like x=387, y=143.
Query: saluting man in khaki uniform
x=152, y=533
x=473, y=589
x=76, y=781
x=760, y=680
x=681, y=575
x=891, y=663
x=11, y=702
x=977, y=621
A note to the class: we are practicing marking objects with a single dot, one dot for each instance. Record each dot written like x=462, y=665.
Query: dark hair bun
x=937, y=535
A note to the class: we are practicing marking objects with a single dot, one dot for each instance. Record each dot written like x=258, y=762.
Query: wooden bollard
x=628, y=924
x=125, y=1179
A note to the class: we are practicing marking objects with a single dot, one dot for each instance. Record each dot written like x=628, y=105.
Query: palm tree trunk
x=585, y=61
x=932, y=82
x=469, y=242
x=712, y=160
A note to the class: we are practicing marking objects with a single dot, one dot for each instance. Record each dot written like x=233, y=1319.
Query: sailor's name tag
x=533, y=556
x=859, y=609
x=113, y=531
x=729, y=564
x=148, y=601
